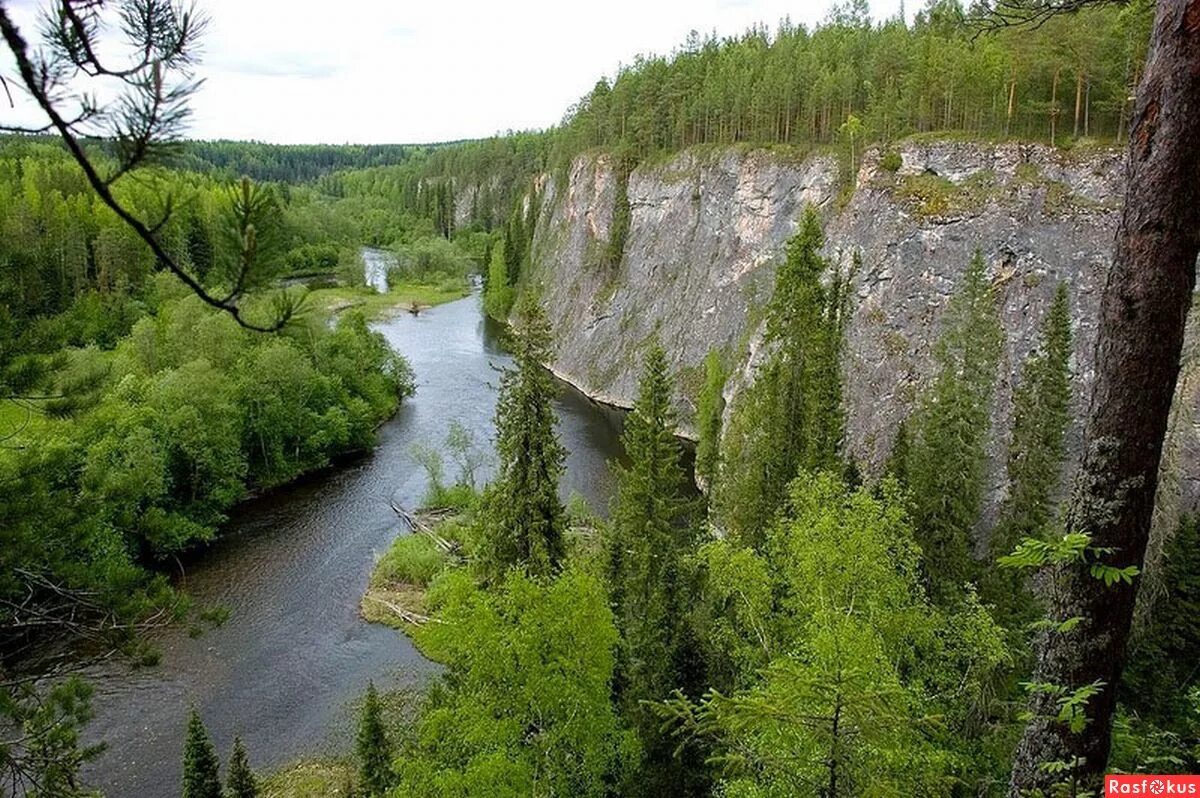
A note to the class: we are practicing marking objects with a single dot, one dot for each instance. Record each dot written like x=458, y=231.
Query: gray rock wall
x=708, y=227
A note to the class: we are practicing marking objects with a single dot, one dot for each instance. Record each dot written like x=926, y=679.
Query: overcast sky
x=372, y=71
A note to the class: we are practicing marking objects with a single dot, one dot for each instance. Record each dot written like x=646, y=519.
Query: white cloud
x=407, y=71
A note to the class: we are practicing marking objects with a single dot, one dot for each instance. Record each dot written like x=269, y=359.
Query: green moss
x=1061, y=200
x=891, y=161
x=895, y=344
x=933, y=195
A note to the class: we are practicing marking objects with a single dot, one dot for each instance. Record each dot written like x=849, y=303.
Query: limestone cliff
x=708, y=227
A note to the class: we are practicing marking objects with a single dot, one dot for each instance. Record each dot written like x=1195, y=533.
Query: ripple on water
x=291, y=567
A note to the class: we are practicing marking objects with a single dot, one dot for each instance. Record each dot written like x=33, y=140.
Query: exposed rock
x=708, y=227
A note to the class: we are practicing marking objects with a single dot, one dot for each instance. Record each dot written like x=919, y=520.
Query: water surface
x=291, y=567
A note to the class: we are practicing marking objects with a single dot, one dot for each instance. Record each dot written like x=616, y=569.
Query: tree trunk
x=1140, y=337
x=1078, y=101
x=1012, y=96
x=1054, y=106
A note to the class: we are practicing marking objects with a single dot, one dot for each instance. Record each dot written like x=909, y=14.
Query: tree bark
x=1140, y=338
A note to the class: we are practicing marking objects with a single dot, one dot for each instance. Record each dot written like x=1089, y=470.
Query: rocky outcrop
x=708, y=227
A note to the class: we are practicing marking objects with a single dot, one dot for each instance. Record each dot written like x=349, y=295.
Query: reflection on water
x=292, y=566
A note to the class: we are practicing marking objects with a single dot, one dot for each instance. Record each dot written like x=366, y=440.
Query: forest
x=756, y=616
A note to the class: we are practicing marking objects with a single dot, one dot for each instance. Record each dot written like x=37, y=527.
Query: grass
x=396, y=591
x=412, y=559
x=309, y=779
x=399, y=297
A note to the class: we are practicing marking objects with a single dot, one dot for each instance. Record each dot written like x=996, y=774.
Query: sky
x=398, y=71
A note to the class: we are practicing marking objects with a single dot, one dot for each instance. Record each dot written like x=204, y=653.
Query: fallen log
x=417, y=524
x=408, y=616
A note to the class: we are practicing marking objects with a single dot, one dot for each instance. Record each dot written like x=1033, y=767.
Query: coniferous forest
x=735, y=604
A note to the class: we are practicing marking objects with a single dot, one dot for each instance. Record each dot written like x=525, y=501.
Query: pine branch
x=149, y=116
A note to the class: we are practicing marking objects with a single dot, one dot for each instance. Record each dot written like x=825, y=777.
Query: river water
x=291, y=567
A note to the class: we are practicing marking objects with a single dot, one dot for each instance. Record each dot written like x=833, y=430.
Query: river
x=291, y=566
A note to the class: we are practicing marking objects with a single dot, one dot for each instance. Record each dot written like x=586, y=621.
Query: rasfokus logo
x=1140, y=784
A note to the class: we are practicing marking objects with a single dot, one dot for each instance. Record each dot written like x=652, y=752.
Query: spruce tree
x=650, y=536
x=648, y=533
x=524, y=520
x=497, y=295
x=372, y=748
x=241, y=782
x=1041, y=411
x=201, y=777
x=946, y=451
x=710, y=410
x=791, y=419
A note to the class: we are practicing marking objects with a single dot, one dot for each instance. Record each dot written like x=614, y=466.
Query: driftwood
x=423, y=521
x=49, y=613
x=408, y=616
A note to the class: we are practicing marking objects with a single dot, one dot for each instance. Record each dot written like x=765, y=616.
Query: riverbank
x=400, y=297
x=396, y=590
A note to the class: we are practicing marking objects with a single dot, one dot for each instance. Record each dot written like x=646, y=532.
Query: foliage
x=431, y=256
x=650, y=534
x=42, y=754
x=522, y=515
x=524, y=708
x=801, y=86
x=710, y=411
x=200, y=764
x=1040, y=415
x=372, y=748
x=412, y=560
x=949, y=431
x=1162, y=663
x=845, y=678
x=791, y=417
x=1050, y=703
x=241, y=782
x=498, y=293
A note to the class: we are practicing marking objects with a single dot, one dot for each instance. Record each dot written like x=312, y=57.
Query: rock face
x=707, y=229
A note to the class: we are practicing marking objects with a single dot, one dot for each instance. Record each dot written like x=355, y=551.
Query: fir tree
x=650, y=537
x=372, y=748
x=514, y=246
x=241, y=782
x=791, y=418
x=709, y=413
x=498, y=293
x=1041, y=410
x=201, y=777
x=947, y=455
x=524, y=519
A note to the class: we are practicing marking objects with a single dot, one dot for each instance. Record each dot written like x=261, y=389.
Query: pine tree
x=372, y=748
x=791, y=419
x=947, y=455
x=709, y=413
x=201, y=777
x=241, y=782
x=1041, y=411
x=524, y=519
